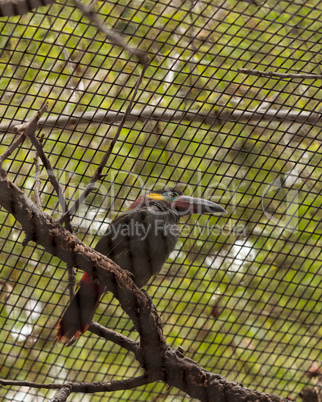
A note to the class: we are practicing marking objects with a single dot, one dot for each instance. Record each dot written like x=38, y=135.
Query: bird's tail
x=80, y=312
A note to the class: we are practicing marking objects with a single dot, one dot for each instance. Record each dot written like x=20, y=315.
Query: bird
x=139, y=240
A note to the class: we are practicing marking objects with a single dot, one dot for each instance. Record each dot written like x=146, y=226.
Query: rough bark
x=155, y=356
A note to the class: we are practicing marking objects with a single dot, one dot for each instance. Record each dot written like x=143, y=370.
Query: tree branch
x=12, y=148
x=273, y=74
x=112, y=36
x=26, y=129
x=114, y=337
x=50, y=171
x=48, y=233
x=37, y=182
x=155, y=356
x=212, y=118
x=84, y=387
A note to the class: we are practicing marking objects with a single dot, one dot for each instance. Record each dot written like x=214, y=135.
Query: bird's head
x=174, y=200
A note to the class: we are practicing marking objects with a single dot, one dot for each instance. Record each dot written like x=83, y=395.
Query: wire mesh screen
x=241, y=293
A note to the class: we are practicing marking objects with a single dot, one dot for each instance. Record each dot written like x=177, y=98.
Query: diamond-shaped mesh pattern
x=241, y=293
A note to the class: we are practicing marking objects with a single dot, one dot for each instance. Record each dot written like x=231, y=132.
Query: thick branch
x=47, y=232
x=158, y=360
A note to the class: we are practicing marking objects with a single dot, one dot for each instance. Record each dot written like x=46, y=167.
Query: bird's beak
x=190, y=205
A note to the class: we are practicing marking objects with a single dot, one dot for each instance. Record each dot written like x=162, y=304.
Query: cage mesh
x=241, y=293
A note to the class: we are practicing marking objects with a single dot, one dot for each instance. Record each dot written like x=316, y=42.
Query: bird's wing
x=136, y=242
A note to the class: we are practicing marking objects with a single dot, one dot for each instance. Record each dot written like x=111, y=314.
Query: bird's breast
x=140, y=242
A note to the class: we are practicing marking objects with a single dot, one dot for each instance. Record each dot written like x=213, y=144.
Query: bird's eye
x=172, y=194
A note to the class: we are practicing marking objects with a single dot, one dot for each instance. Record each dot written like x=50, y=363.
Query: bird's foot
x=180, y=351
x=130, y=274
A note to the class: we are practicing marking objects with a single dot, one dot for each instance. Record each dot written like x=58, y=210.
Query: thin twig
x=112, y=36
x=37, y=181
x=114, y=337
x=86, y=388
x=38, y=144
x=53, y=180
x=26, y=129
x=98, y=174
x=279, y=75
x=6, y=383
x=11, y=148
